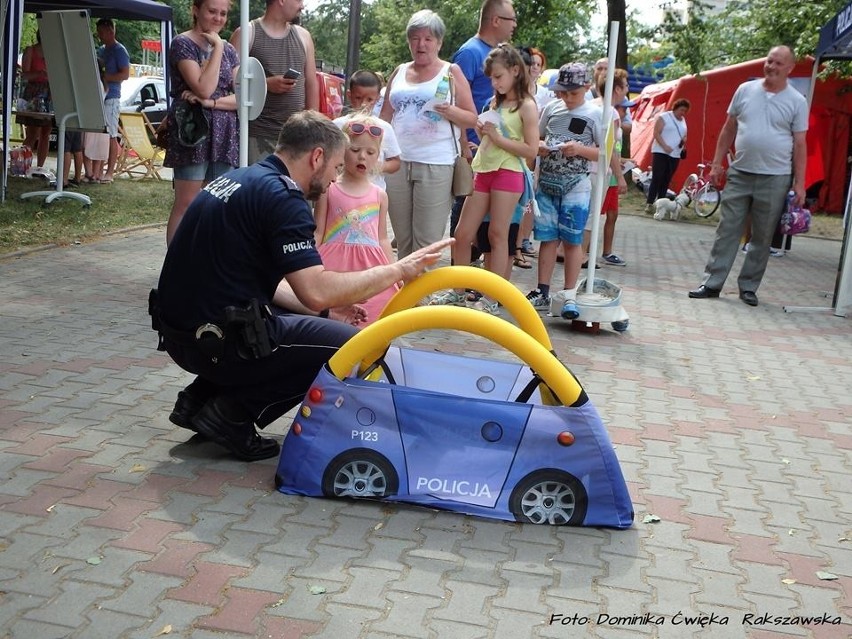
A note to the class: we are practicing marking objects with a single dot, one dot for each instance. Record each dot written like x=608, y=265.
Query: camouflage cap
x=572, y=76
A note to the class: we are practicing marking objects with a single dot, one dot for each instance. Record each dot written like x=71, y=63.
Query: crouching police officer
x=245, y=233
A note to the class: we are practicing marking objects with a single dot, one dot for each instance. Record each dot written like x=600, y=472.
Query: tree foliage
x=745, y=30
x=557, y=27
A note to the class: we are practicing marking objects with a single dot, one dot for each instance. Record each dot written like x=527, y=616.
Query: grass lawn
x=122, y=204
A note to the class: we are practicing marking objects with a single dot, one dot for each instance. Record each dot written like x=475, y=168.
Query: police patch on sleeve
x=290, y=183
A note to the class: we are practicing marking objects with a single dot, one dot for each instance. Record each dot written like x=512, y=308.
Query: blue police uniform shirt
x=240, y=236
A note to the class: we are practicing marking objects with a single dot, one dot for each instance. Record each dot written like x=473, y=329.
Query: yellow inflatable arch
x=370, y=344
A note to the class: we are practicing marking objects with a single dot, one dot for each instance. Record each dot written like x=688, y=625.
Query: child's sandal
x=521, y=262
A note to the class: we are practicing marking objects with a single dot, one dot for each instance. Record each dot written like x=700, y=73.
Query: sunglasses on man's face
x=357, y=128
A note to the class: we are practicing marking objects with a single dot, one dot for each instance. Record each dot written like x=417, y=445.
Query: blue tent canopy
x=122, y=10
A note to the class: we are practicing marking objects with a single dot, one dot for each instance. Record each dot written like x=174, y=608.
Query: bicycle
x=705, y=197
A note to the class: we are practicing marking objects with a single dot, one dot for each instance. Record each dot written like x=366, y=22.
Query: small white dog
x=673, y=207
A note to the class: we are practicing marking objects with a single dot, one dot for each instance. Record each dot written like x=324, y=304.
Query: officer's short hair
x=304, y=131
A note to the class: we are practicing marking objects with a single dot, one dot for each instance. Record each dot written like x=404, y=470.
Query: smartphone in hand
x=292, y=74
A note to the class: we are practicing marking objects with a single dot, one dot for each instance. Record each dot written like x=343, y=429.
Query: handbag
x=795, y=220
x=161, y=135
x=193, y=127
x=462, y=171
x=462, y=177
x=681, y=145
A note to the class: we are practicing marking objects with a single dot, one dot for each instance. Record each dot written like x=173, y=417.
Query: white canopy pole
x=244, y=77
x=602, y=177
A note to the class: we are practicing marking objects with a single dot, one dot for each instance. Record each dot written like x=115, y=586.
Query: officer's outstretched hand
x=352, y=314
x=414, y=264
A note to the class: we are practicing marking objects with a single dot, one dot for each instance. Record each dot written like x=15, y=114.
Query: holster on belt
x=244, y=328
x=248, y=326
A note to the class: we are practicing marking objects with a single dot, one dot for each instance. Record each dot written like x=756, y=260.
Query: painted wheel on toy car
x=706, y=200
x=360, y=472
x=549, y=496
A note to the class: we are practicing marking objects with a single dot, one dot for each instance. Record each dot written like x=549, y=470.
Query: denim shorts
x=203, y=171
x=563, y=218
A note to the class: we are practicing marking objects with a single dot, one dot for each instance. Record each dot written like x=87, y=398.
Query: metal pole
x=602, y=177
x=244, y=80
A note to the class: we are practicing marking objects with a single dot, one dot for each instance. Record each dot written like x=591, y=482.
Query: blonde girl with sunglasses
x=352, y=216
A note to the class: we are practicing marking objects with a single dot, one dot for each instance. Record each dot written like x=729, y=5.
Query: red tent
x=710, y=94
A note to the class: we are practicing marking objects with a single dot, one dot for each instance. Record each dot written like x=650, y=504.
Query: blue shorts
x=563, y=218
x=203, y=171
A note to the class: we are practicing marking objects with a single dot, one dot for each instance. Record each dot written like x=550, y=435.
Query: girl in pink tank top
x=351, y=218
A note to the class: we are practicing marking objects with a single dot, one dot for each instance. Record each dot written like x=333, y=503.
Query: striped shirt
x=277, y=55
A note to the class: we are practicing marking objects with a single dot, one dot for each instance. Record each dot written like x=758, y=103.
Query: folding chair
x=139, y=158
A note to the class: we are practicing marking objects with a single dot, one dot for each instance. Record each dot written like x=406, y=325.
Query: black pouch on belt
x=247, y=327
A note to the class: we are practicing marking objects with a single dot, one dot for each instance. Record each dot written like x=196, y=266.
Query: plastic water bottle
x=16, y=161
x=443, y=89
x=28, y=160
x=441, y=94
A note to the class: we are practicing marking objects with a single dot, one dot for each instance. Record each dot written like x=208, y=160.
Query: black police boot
x=186, y=407
x=238, y=435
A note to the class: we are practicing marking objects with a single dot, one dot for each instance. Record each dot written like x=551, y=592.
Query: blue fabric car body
x=449, y=432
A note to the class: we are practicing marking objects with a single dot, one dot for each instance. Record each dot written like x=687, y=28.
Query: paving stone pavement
x=732, y=425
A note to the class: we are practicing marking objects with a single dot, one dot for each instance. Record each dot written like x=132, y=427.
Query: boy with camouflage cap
x=569, y=129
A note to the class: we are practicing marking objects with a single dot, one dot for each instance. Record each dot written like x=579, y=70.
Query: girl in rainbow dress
x=351, y=218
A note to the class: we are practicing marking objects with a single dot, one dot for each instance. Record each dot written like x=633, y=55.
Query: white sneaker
x=774, y=252
x=559, y=301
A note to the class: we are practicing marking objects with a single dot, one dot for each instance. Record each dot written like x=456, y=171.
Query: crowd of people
x=272, y=267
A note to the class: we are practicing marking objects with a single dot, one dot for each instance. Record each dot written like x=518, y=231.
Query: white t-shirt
x=673, y=132
x=765, y=126
x=390, y=146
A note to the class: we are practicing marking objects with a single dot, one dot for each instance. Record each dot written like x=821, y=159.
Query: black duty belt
x=245, y=328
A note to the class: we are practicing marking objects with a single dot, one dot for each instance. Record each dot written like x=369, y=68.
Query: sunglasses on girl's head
x=357, y=128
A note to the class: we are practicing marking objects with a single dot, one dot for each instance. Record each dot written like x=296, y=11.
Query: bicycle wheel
x=706, y=200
